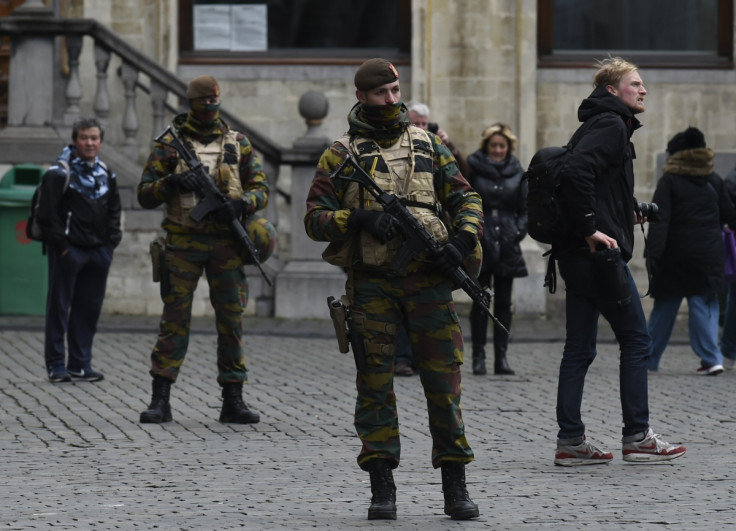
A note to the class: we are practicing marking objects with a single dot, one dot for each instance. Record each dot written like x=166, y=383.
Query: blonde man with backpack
x=597, y=190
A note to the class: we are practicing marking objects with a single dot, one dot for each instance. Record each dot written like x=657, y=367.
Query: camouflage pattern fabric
x=154, y=189
x=418, y=296
x=187, y=256
x=424, y=303
x=209, y=248
x=263, y=234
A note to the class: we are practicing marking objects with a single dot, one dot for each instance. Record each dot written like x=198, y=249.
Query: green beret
x=374, y=73
x=203, y=86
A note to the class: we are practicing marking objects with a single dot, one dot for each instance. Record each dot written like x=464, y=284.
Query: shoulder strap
x=67, y=172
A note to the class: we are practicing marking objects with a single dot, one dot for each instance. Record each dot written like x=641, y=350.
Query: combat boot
x=159, y=411
x=383, y=501
x=500, y=365
x=234, y=410
x=479, y=360
x=458, y=504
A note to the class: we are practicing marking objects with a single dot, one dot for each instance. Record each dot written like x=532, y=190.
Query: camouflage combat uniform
x=421, y=169
x=207, y=246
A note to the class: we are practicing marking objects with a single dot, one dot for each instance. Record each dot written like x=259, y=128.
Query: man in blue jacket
x=598, y=194
x=81, y=226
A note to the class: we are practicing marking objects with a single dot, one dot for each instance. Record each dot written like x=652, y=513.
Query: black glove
x=449, y=257
x=380, y=225
x=231, y=209
x=187, y=181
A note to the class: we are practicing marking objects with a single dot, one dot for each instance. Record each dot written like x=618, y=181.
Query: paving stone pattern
x=74, y=456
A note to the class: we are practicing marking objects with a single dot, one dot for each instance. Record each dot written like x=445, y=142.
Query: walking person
x=193, y=247
x=685, y=250
x=496, y=174
x=409, y=162
x=597, y=191
x=728, y=332
x=81, y=226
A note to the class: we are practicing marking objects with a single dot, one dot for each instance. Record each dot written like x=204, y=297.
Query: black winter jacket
x=88, y=213
x=685, y=248
x=597, y=188
x=503, y=192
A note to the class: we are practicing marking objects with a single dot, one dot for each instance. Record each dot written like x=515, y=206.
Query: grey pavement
x=74, y=456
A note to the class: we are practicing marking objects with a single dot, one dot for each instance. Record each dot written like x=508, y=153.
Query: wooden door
x=6, y=7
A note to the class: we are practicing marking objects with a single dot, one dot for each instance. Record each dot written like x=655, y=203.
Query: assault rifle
x=212, y=198
x=416, y=238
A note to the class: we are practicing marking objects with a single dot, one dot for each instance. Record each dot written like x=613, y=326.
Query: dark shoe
x=383, y=501
x=234, y=410
x=501, y=366
x=403, y=368
x=479, y=360
x=159, y=411
x=58, y=375
x=458, y=505
x=85, y=375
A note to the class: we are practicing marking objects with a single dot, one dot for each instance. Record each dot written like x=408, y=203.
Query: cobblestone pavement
x=74, y=455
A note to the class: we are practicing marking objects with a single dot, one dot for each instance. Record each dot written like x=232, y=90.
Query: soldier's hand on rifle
x=380, y=225
x=231, y=209
x=449, y=257
x=187, y=181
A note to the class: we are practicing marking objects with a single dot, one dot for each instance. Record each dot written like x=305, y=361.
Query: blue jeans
x=702, y=325
x=583, y=307
x=728, y=336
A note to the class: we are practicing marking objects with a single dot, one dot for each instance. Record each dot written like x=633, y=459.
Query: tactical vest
x=404, y=169
x=226, y=178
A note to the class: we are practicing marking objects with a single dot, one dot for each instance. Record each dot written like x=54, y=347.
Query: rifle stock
x=417, y=238
x=212, y=198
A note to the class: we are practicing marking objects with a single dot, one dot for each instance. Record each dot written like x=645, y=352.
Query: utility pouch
x=156, y=248
x=611, y=277
x=339, y=316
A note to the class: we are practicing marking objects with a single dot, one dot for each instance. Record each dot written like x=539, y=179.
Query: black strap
x=550, y=277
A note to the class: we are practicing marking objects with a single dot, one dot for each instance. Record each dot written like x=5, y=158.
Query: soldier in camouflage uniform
x=207, y=246
x=407, y=161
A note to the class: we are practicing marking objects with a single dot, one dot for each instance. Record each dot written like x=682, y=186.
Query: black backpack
x=548, y=223
x=33, y=227
x=546, y=219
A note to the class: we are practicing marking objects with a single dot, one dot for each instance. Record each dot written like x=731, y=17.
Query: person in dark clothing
x=496, y=174
x=597, y=192
x=684, y=249
x=728, y=333
x=82, y=227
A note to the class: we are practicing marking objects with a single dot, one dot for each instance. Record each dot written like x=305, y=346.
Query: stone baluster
x=306, y=277
x=158, y=101
x=102, y=98
x=130, y=117
x=73, y=86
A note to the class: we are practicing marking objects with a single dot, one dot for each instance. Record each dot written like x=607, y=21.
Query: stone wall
x=473, y=62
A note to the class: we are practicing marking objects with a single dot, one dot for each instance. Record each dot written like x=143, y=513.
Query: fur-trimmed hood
x=698, y=161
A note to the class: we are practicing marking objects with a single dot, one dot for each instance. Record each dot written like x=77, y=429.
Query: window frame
x=723, y=59
x=291, y=56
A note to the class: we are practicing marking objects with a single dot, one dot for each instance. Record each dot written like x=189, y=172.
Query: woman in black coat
x=496, y=174
x=685, y=250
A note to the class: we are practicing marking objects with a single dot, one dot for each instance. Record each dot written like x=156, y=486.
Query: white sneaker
x=713, y=370
x=585, y=453
x=651, y=449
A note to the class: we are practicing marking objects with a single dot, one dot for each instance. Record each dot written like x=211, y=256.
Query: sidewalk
x=76, y=457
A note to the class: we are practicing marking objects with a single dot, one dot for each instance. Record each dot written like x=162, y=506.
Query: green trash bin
x=23, y=267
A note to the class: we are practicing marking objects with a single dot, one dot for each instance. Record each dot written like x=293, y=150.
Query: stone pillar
x=30, y=95
x=304, y=284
